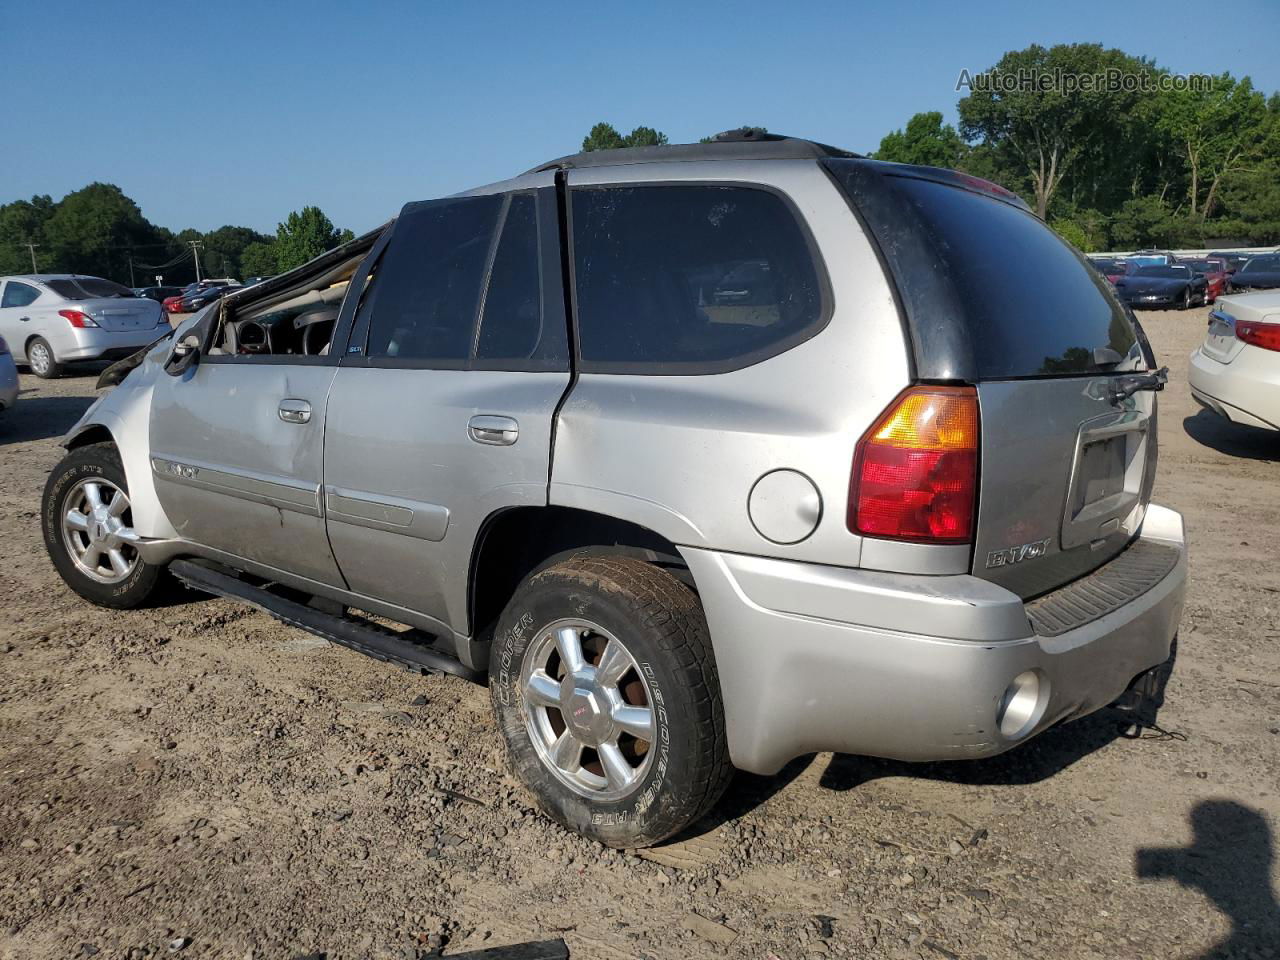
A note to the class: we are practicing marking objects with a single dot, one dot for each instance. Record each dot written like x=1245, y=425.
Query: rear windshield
x=87, y=288
x=1260, y=264
x=1032, y=305
x=1168, y=273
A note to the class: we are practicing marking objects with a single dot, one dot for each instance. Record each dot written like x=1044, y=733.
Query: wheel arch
x=518, y=541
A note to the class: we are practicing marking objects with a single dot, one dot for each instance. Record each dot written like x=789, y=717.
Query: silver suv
x=707, y=456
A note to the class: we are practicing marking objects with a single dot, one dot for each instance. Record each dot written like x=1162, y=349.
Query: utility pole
x=131, y=281
x=195, y=248
x=32, y=248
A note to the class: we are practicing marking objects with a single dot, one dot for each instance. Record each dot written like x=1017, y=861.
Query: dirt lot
x=200, y=780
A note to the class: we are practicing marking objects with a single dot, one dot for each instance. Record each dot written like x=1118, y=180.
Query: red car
x=1113, y=268
x=1215, y=272
x=172, y=304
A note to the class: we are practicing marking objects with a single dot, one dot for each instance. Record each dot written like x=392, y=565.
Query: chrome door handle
x=499, y=431
x=295, y=411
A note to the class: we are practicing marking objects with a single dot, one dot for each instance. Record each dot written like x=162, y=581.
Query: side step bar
x=381, y=645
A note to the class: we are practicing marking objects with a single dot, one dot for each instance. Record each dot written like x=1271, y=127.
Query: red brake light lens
x=78, y=319
x=1264, y=335
x=915, y=472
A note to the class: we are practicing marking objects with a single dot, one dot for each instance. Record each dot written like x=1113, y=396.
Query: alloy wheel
x=96, y=528
x=588, y=709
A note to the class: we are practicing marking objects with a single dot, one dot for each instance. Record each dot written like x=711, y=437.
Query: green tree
x=604, y=136
x=1217, y=131
x=925, y=140
x=1042, y=127
x=22, y=222
x=93, y=231
x=259, y=259
x=224, y=248
x=304, y=235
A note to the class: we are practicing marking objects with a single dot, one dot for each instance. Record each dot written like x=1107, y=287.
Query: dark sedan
x=1259, y=273
x=203, y=297
x=1169, y=285
x=1234, y=261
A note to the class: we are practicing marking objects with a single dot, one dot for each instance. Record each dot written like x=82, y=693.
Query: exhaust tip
x=1022, y=704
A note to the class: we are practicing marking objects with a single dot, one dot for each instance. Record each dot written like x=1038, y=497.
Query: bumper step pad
x=1110, y=587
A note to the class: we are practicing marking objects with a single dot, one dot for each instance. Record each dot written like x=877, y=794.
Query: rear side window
x=427, y=289
x=18, y=294
x=690, y=278
x=1032, y=304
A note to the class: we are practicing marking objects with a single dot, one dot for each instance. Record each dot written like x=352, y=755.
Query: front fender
x=125, y=414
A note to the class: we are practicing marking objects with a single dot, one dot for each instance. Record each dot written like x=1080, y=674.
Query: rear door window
x=691, y=278
x=426, y=292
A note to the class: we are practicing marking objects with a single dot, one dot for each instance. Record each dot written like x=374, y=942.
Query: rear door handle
x=499, y=431
x=24, y=319
x=295, y=411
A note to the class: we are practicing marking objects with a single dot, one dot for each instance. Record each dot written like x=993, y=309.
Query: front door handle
x=295, y=411
x=499, y=431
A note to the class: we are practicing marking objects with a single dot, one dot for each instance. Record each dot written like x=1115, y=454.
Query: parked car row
x=1159, y=279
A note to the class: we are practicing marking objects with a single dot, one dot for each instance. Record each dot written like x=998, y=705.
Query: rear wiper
x=1121, y=388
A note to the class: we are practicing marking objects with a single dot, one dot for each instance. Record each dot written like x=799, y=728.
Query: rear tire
x=41, y=360
x=645, y=664
x=1186, y=299
x=87, y=520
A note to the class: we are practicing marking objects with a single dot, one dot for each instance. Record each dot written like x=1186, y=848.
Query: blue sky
x=238, y=112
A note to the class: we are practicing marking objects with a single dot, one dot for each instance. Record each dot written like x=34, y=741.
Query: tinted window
x=679, y=278
x=1168, y=273
x=1260, y=264
x=66, y=289
x=511, y=326
x=1032, y=305
x=427, y=289
x=102, y=288
x=18, y=294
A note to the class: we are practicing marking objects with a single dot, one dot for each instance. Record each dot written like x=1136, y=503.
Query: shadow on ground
x=39, y=418
x=1232, y=439
x=1229, y=860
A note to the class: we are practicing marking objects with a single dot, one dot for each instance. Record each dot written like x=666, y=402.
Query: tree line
x=98, y=230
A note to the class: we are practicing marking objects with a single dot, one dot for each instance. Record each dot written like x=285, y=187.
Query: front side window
x=18, y=294
x=690, y=278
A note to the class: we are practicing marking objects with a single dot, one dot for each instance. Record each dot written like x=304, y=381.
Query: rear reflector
x=1264, y=335
x=915, y=472
x=78, y=318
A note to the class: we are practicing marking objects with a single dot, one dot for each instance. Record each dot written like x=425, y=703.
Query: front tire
x=1186, y=299
x=605, y=688
x=41, y=360
x=87, y=522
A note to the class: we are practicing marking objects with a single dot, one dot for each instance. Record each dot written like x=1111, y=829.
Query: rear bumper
x=101, y=344
x=912, y=667
x=1245, y=391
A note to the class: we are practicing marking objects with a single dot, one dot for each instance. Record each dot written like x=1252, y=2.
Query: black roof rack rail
x=745, y=143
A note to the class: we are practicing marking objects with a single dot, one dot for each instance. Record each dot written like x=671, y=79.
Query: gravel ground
x=199, y=780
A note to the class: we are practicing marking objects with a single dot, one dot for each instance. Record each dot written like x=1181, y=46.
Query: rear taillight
x=1264, y=335
x=915, y=472
x=78, y=318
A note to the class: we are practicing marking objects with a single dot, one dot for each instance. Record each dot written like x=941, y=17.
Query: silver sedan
x=50, y=320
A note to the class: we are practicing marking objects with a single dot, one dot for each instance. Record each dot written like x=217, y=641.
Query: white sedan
x=1236, y=371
